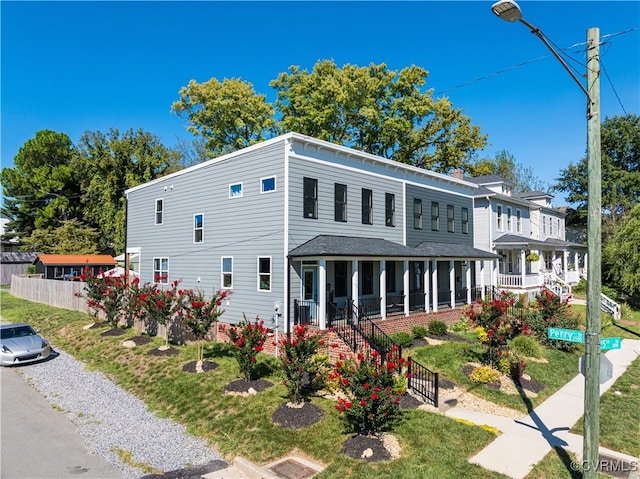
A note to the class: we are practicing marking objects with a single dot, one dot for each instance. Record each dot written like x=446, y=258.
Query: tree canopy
x=373, y=109
x=621, y=254
x=505, y=166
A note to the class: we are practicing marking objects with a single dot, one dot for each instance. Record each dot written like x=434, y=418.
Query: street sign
x=571, y=335
x=610, y=343
x=606, y=368
x=575, y=336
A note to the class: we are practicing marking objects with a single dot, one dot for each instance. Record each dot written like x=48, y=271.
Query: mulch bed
x=446, y=384
x=113, y=332
x=242, y=386
x=191, y=367
x=418, y=342
x=140, y=340
x=163, y=352
x=410, y=402
x=371, y=449
x=297, y=417
x=530, y=385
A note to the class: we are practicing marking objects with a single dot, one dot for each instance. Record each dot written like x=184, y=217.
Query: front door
x=310, y=289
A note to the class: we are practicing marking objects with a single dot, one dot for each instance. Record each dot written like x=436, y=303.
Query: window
x=518, y=221
x=550, y=226
x=198, y=228
x=435, y=216
x=544, y=225
x=367, y=277
x=390, y=209
x=340, y=197
x=235, y=190
x=342, y=279
x=465, y=221
x=161, y=270
x=509, y=219
x=417, y=213
x=558, y=230
x=310, y=206
x=367, y=207
x=227, y=272
x=450, y=219
x=264, y=273
x=268, y=184
x=499, y=216
x=159, y=211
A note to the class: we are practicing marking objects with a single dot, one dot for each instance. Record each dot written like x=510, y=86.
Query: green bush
x=526, y=346
x=612, y=293
x=581, y=287
x=437, y=328
x=485, y=374
x=419, y=331
x=402, y=339
x=461, y=325
x=551, y=311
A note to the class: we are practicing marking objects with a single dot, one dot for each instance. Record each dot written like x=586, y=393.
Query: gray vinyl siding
x=417, y=236
x=483, y=218
x=243, y=228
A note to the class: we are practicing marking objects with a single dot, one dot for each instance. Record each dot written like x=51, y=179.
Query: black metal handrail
x=378, y=339
x=423, y=381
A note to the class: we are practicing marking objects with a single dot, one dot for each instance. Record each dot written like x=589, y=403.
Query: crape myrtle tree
x=373, y=109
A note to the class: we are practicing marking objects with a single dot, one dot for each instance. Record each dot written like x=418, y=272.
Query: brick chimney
x=457, y=174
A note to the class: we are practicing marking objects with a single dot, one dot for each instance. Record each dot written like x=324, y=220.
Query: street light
x=509, y=11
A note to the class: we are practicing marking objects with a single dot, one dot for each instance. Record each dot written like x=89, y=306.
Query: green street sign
x=571, y=335
x=610, y=343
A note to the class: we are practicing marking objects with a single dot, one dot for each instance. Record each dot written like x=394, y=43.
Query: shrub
x=248, y=339
x=160, y=305
x=104, y=293
x=550, y=311
x=402, y=339
x=526, y=346
x=295, y=354
x=461, y=325
x=438, y=328
x=485, y=374
x=372, y=392
x=419, y=331
x=320, y=370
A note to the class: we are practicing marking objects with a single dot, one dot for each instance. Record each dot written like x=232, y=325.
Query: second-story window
x=544, y=225
x=340, y=195
x=198, y=228
x=550, y=226
x=235, y=190
x=390, y=209
x=558, y=229
x=435, y=216
x=367, y=207
x=509, y=218
x=268, y=184
x=417, y=213
x=465, y=221
x=159, y=211
x=518, y=221
x=310, y=198
x=450, y=219
x=499, y=216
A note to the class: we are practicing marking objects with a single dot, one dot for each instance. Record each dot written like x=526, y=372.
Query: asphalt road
x=39, y=442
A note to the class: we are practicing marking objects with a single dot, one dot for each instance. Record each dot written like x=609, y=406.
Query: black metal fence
x=423, y=381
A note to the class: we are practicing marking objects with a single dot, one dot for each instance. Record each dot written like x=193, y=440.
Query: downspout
x=126, y=254
x=287, y=269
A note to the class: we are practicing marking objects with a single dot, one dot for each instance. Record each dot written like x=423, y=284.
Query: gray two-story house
x=301, y=229
x=527, y=233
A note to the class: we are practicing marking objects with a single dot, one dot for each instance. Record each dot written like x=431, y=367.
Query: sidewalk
x=523, y=443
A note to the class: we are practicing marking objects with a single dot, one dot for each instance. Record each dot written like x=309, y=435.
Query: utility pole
x=594, y=251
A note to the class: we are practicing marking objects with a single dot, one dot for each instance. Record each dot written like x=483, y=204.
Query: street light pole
x=510, y=11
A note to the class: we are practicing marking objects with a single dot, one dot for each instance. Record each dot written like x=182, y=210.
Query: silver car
x=21, y=344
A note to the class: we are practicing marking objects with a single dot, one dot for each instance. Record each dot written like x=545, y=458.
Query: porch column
x=322, y=294
x=565, y=260
x=523, y=268
x=482, y=292
x=452, y=283
x=494, y=273
x=468, y=274
x=425, y=282
x=354, y=284
x=383, y=288
x=576, y=264
x=434, y=285
x=584, y=267
x=405, y=286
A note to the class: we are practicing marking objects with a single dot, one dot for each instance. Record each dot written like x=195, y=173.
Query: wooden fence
x=61, y=294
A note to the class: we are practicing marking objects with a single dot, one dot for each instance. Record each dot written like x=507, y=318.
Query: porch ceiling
x=328, y=245
x=521, y=241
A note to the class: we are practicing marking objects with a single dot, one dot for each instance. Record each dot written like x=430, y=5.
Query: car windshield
x=17, y=332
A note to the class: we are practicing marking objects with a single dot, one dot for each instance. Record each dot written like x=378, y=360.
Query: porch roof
x=515, y=240
x=328, y=245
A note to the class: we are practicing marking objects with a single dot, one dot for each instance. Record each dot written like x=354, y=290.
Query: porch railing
x=515, y=280
x=305, y=312
x=395, y=303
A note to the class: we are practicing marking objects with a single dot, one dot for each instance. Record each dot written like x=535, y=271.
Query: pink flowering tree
x=249, y=339
x=296, y=352
x=373, y=387
x=198, y=313
x=104, y=293
x=160, y=305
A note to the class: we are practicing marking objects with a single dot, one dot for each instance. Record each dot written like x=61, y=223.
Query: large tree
x=505, y=166
x=71, y=237
x=621, y=254
x=373, y=109
x=113, y=162
x=42, y=189
x=620, y=159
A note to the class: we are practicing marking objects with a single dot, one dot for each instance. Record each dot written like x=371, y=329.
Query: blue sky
x=88, y=66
